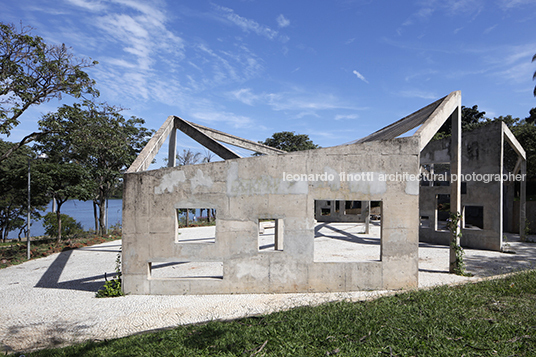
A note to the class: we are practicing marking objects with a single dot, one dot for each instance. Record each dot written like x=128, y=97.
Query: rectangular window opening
x=271, y=234
x=441, y=175
x=442, y=212
x=196, y=225
x=186, y=270
x=473, y=217
x=351, y=237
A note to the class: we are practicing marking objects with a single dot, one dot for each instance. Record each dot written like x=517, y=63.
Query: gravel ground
x=51, y=301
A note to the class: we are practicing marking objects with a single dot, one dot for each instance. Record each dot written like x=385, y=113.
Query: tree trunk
x=102, y=212
x=58, y=217
x=187, y=217
x=95, y=216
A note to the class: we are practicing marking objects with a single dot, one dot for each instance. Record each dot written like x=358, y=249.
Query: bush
x=112, y=288
x=69, y=227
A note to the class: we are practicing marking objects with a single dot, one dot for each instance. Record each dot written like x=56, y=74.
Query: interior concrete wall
x=482, y=154
x=246, y=190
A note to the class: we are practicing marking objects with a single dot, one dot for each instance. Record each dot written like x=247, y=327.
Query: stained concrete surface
x=51, y=301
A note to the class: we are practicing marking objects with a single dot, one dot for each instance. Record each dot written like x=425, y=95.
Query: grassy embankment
x=491, y=318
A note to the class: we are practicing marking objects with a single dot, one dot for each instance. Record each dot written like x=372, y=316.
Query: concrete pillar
x=365, y=210
x=455, y=171
x=523, y=201
x=279, y=225
x=172, y=148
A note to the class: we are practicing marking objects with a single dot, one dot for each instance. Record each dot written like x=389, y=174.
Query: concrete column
x=172, y=149
x=523, y=201
x=455, y=171
x=279, y=225
x=365, y=210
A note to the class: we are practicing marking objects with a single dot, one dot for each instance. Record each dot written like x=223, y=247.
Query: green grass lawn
x=491, y=318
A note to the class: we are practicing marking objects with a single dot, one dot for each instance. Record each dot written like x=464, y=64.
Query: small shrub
x=69, y=226
x=112, y=288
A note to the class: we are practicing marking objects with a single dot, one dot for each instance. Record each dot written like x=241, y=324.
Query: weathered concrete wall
x=246, y=190
x=481, y=154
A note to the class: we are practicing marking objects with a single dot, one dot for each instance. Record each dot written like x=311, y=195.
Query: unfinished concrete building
x=488, y=184
x=282, y=187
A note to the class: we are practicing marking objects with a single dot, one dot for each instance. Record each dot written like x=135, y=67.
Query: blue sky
x=336, y=70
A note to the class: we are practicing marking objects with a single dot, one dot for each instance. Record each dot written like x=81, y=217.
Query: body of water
x=82, y=212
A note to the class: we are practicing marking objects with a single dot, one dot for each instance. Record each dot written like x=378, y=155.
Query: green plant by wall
x=69, y=226
x=452, y=225
x=527, y=230
x=112, y=288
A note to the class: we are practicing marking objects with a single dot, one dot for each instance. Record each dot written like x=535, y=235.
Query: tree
x=471, y=118
x=534, y=75
x=289, y=141
x=14, y=190
x=31, y=73
x=66, y=181
x=188, y=157
x=100, y=139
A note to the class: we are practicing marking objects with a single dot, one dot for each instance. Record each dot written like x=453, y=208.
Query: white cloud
x=237, y=121
x=246, y=25
x=508, y=4
x=245, y=96
x=282, y=21
x=360, y=76
x=88, y=5
x=348, y=116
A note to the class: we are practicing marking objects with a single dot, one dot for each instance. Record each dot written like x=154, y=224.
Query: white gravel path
x=51, y=301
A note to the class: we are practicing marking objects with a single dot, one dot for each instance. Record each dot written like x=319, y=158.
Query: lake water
x=82, y=212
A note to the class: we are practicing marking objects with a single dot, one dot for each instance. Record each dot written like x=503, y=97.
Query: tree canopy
x=289, y=141
x=33, y=72
x=97, y=137
x=14, y=190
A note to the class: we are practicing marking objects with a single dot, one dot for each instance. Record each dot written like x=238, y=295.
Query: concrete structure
x=282, y=187
x=488, y=187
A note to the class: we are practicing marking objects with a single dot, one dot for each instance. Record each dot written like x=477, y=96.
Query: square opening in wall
x=186, y=270
x=196, y=225
x=442, y=212
x=352, y=235
x=441, y=174
x=271, y=234
x=473, y=217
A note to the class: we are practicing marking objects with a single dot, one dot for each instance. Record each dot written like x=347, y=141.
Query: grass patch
x=491, y=318
x=15, y=252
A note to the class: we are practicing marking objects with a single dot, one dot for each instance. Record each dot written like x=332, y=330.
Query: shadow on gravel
x=50, y=279
x=43, y=335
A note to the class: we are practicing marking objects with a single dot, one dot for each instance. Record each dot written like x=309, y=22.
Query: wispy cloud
x=247, y=25
x=360, y=76
x=282, y=21
x=211, y=117
x=245, y=96
x=508, y=4
x=88, y=4
x=347, y=116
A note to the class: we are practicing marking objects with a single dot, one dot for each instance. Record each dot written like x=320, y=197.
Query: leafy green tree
x=14, y=190
x=289, y=141
x=66, y=181
x=54, y=227
x=471, y=118
x=31, y=73
x=100, y=139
